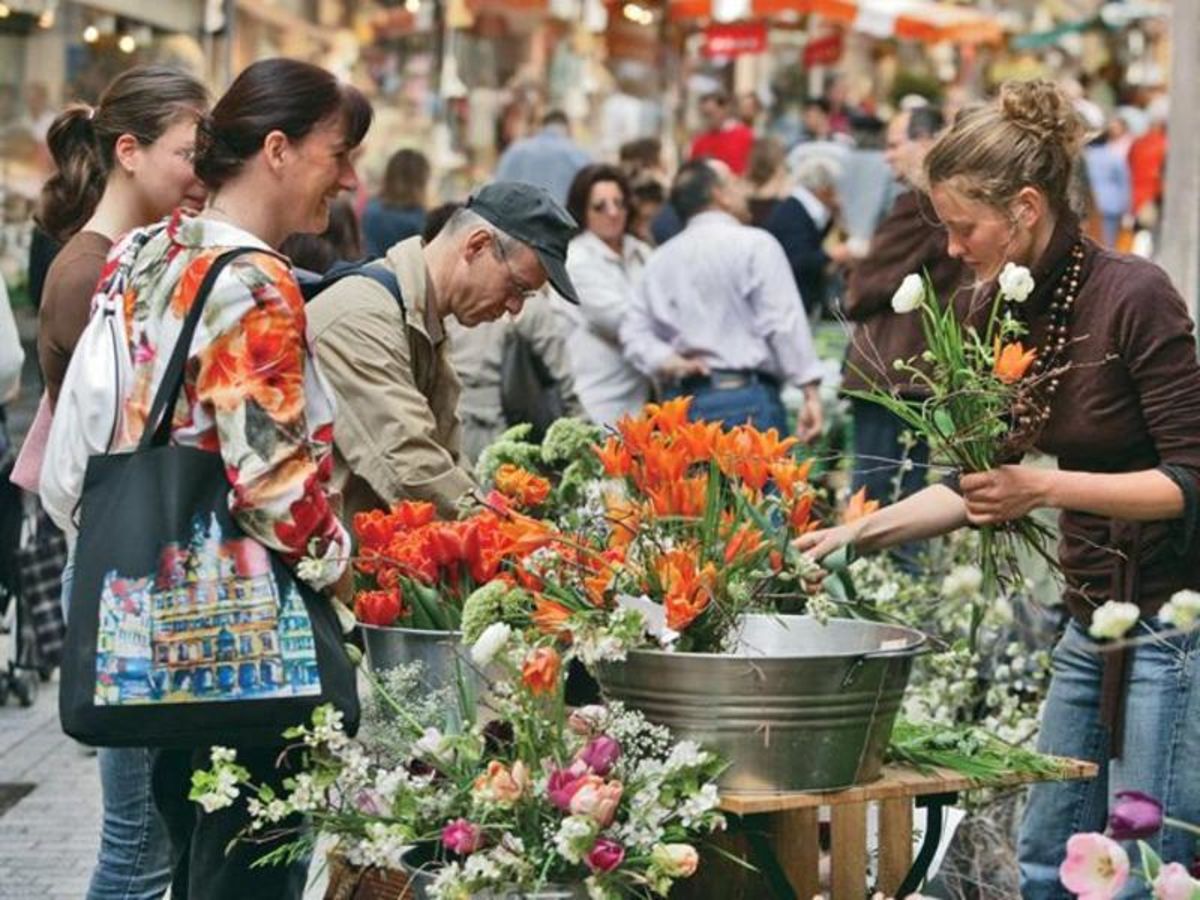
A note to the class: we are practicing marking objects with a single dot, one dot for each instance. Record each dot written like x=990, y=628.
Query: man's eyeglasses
x=516, y=285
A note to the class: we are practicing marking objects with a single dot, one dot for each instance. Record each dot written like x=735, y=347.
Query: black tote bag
x=184, y=631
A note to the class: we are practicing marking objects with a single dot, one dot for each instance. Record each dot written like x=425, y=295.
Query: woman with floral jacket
x=274, y=153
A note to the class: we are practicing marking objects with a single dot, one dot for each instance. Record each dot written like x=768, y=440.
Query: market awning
x=913, y=20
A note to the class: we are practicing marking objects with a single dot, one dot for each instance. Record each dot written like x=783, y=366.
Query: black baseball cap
x=530, y=215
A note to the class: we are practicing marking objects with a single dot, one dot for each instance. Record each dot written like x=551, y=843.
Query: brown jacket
x=1129, y=401
x=396, y=429
x=909, y=240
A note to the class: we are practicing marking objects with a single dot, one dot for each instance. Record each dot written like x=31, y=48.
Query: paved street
x=48, y=840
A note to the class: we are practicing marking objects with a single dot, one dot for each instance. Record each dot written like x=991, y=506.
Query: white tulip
x=1113, y=619
x=493, y=639
x=909, y=295
x=1016, y=283
x=1182, y=610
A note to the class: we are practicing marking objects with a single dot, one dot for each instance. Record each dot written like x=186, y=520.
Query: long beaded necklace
x=1051, y=355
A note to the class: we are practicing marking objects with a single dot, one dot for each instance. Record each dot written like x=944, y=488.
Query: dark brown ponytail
x=143, y=102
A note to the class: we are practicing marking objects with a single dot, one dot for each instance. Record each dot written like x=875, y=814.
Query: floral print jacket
x=251, y=390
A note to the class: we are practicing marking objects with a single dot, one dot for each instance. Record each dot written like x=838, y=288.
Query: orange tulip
x=800, y=515
x=684, y=497
x=540, y=671
x=524, y=487
x=1013, y=361
x=661, y=464
x=859, y=507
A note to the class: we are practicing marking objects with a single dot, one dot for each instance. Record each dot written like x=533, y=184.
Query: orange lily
x=615, y=457
x=636, y=432
x=859, y=507
x=624, y=520
x=684, y=497
x=698, y=440
x=670, y=416
x=687, y=591
x=1013, y=361
x=549, y=616
x=788, y=474
x=540, y=670
x=744, y=542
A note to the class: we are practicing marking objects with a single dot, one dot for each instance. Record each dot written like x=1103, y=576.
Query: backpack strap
x=157, y=430
x=377, y=270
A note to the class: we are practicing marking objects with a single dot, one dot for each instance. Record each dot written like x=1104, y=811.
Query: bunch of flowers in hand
x=694, y=527
x=987, y=395
x=414, y=570
x=537, y=795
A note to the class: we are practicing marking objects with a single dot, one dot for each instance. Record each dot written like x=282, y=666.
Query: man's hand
x=824, y=541
x=1005, y=493
x=841, y=254
x=810, y=420
x=678, y=367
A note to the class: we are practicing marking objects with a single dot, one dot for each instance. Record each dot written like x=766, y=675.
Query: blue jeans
x=755, y=404
x=134, y=862
x=1160, y=756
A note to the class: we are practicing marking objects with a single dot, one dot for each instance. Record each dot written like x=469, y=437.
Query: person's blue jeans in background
x=756, y=403
x=134, y=862
x=1160, y=756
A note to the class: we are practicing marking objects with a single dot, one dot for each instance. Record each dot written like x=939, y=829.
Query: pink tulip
x=597, y=799
x=1096, y=867
x=461, y=837
x=605, y=856
x=675, y=860
x=600, y=754
x=1174, y=882
x=563, y=784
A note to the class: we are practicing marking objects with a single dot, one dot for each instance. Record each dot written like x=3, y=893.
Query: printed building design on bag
x=208, y=625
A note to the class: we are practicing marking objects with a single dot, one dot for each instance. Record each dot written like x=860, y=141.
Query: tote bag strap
x=158, y=424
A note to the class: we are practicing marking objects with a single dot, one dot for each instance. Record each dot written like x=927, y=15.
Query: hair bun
x=1040, y=108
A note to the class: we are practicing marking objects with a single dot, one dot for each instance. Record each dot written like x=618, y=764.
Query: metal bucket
x=800, y=706
x=422, y=877
x=441, y=654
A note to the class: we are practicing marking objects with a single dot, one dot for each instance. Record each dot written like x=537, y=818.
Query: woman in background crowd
x=604, y=262
x=768, y=177
x=399, y=210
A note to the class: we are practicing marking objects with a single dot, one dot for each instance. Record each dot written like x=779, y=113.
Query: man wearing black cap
x=397, y=434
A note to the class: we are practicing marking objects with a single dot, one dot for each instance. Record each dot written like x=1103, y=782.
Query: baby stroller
x=32, y=554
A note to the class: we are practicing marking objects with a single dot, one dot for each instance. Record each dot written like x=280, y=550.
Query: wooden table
x=782, y=829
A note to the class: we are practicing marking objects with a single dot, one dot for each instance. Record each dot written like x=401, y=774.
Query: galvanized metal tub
x=422, y=874
x=441, y=654
x=800, y=706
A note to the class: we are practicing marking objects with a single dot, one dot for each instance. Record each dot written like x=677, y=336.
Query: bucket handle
x=920, y=648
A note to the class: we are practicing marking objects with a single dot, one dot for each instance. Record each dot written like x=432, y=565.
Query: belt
x=728, y=380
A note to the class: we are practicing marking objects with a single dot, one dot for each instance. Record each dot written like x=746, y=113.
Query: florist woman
x=1121, y=413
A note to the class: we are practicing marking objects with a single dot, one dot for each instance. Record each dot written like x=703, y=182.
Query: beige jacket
x=396, y=430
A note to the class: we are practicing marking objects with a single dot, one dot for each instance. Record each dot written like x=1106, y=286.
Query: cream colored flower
x=1016, y=283
x=1113, y=619
x=909, y=295
x=1182, y=610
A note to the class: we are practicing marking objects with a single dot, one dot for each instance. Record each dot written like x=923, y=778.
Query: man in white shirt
x=717, y=314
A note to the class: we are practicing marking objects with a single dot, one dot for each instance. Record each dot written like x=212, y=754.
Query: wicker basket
x=350, y=882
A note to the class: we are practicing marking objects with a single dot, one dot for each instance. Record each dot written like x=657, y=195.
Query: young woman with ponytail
x=122, y=164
